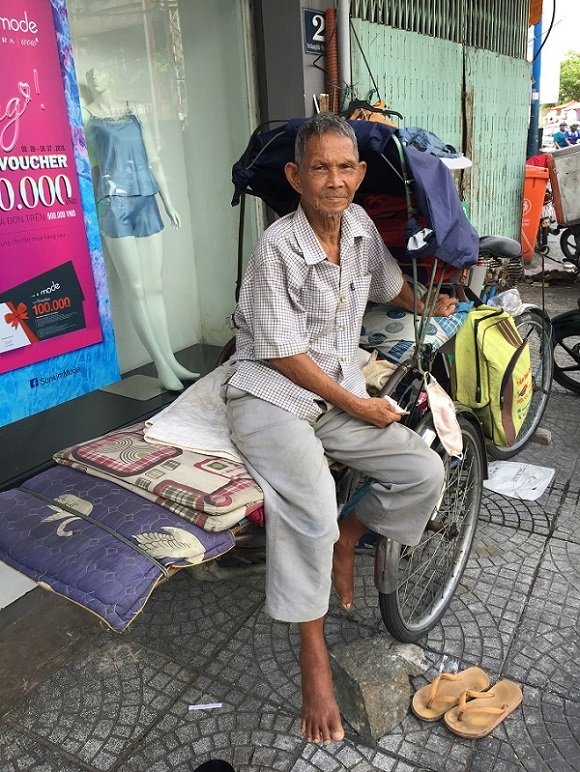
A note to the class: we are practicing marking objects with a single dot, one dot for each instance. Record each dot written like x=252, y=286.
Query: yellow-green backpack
x=492, y=372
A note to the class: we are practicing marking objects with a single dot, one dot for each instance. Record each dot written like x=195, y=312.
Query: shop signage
x=49, y=306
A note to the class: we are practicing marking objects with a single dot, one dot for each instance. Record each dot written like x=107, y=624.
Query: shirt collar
x=351, y=228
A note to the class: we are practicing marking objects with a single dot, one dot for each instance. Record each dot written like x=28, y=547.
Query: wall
x=474, y=99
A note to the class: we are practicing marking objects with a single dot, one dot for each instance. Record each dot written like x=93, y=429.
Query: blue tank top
x=120, y=152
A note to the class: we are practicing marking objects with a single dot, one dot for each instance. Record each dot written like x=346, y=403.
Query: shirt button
x=342, y=360
x=340, y=327
x=342, y=299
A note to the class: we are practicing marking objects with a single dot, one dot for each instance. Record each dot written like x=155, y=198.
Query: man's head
x=574, y=127
x=563, y=126
x=327, y=171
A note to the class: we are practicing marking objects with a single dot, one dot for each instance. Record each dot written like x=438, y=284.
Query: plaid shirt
x=293, y=300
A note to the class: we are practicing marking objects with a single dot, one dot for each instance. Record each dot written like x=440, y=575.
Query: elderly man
x=297, y=392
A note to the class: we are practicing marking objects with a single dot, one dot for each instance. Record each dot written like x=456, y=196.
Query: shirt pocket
x=359, y=295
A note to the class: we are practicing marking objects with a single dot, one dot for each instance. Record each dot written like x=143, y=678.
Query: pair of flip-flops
x=466, y=703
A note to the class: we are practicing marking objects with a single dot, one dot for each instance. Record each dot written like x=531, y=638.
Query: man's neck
x=327, y=231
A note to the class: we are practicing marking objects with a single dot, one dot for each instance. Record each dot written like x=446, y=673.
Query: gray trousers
x=286, y=456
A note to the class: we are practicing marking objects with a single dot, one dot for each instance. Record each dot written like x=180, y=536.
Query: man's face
x=328, y=176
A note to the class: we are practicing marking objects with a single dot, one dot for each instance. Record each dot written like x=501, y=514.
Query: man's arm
x=304, y=371
x=445, y=305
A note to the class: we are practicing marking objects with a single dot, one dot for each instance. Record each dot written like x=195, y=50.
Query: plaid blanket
x=213, y=493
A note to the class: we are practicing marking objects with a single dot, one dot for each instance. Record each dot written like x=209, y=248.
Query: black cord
x=365, y=60
x=547, y=33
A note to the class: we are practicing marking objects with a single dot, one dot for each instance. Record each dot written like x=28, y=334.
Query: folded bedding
x=97, y=543
x=213, y=493
x=196, y=420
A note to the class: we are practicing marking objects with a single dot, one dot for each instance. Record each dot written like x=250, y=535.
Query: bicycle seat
x=500, y=246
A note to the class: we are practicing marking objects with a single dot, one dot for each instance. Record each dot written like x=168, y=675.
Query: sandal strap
x=466, y=703
x=435, y=686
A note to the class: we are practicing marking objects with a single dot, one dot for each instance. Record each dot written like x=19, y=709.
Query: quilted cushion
x=96, y=543
x=214, y=493
x=390, y=330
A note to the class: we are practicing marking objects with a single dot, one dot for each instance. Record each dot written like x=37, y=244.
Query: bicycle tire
x=567, y=352
x=535, y=327
x=427, y=575
x=570, y=244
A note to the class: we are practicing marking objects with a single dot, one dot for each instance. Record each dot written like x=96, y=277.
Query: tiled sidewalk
x=121, y=703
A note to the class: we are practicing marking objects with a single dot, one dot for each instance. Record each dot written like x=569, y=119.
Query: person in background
x=572, y=134
x=560, y=139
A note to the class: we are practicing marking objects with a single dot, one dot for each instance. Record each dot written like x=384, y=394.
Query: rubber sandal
x=478, y=714
x=431, y=702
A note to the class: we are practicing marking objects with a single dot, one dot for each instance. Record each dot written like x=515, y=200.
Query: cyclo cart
x=431, y=237
x=413, y=195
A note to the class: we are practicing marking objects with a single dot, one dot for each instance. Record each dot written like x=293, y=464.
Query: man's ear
x=362, y=165
x=291, y=172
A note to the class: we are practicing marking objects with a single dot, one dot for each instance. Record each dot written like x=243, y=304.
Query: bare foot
x=321, y=720
x=351, y=531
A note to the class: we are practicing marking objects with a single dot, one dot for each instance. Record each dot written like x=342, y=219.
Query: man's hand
x=445, y=305
x=376, y=411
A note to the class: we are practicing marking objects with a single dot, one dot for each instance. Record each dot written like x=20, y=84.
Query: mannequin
x=129, y=178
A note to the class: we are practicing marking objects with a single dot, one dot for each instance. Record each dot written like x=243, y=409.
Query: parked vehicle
x=566, y=328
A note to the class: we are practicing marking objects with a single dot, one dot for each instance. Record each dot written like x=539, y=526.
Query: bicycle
x=567, y=349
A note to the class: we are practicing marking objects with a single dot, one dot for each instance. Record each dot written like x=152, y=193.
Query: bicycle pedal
x=437, y=526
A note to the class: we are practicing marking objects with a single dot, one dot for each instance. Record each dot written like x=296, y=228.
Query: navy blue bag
x=260, y=172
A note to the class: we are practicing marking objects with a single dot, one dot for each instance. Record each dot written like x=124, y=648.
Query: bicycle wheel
x=570, y=244
x=427, y=575
x=567, y=352
x=536, y=328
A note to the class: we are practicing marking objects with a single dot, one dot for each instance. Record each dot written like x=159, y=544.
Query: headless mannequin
x=138, y=259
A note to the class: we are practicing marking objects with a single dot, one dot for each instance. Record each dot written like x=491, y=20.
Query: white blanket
x=196, y=420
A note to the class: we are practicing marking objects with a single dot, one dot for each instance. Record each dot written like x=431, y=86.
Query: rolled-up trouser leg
x=408, y=476
x=285, y=457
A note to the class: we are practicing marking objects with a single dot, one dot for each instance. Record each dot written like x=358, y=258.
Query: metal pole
x=533, y=131
x=343, y=35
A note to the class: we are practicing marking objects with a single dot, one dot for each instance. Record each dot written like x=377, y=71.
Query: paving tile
x=480, y=623
x=548, y=737
x=98, y=704
x=546, y=650
x=189, y=620
x=262, y=658
x=250, y=734
x=562, y=418
x=534, y=516
x=19, y=753
x=568, y=522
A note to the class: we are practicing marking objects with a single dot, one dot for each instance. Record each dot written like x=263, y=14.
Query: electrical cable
x=547, y=33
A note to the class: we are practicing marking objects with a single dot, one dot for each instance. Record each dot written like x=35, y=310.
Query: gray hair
x=320, y=124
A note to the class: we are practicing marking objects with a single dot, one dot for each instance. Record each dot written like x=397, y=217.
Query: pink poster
x=48, y=303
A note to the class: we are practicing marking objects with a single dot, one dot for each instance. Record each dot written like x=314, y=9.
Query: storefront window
x=165, y=88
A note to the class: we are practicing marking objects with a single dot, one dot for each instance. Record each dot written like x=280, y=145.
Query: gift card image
x=48, y=305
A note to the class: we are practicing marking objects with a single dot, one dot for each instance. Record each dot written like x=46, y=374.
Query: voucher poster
x=55, y=323
x=41, y=216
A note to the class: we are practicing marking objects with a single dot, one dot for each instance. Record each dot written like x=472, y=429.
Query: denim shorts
x=129, y=216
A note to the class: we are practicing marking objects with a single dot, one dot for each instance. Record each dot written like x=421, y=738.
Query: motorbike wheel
x=570, y=244
x=427, y=575
x=567, y=354
x=536, y=328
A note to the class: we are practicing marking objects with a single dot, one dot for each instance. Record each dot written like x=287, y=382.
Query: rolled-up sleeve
x=387, y=277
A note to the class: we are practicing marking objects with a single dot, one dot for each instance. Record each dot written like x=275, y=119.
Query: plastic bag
x=444, y=417
x=509, y=300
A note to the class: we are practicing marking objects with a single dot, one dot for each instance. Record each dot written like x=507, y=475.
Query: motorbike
x=566, y=331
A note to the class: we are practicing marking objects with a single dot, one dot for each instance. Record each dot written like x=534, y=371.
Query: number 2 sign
x=314, y=32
